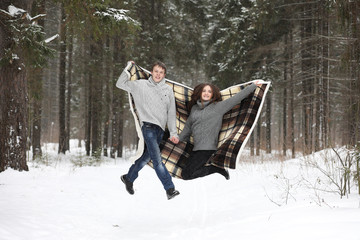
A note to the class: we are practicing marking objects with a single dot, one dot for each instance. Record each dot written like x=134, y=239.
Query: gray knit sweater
x=155, y=102
x=204, y=123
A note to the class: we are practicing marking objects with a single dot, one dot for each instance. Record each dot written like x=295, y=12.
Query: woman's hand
x=174, y=139
x=258, y=82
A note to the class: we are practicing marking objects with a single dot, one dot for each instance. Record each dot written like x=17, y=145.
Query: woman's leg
x=196, y=163
x=196, y=168
x=207, y=170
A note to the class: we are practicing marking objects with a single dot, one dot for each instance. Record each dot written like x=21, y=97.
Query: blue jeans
x=152, y=136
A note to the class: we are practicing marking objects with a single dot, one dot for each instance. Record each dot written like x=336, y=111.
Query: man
x=155, y=104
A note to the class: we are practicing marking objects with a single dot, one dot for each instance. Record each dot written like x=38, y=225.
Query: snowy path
x=63, y=202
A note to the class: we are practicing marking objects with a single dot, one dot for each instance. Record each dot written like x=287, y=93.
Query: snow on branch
x=37, y=17
x=14, y=12
x=51, y=38
x=117, y=14
x=5, y=14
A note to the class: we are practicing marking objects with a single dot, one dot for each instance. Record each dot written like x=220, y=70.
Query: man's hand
x=174, y=139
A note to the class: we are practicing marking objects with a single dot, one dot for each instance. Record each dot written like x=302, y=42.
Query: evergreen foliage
x=309, y=50
x=27, y=41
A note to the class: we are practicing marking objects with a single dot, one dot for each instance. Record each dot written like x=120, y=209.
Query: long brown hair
x=196, y=95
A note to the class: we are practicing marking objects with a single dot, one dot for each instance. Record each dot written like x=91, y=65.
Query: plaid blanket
x=237, y=124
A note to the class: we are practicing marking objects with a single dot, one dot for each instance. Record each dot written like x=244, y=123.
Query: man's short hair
x=160, y=64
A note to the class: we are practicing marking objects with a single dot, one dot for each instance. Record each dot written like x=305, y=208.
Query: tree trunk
x=325, y=80
x=252, y=144
x=36, y=88
x=36, y=95
x=13, y=127
x=306, y=64
x=318, y=78
x=68, y=87
x=117, y=124
x=50, y=108
x=88, y=115
x=355, y=73
x=258, y=137
x=96, y=99
x=285, y=100
x=88, y=87
x=292, y=96
x=120, y=136
x=107, y=115
x=268, y=123
x=82, y=81
x=114, y=130
x=117, y=106
x=62, y=84
x=109, y=96
x=14, y=100
x=107, y=67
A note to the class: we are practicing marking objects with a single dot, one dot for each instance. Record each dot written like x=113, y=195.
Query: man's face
x=158, y=74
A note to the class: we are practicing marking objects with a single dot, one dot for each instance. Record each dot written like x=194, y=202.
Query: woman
x=204, y=124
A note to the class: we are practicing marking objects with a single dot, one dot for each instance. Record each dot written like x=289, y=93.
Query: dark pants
x=195, y=166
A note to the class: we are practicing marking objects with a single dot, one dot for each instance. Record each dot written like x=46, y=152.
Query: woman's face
x=207, y=93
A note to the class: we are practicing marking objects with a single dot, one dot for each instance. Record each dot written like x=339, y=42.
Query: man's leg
x=138, y=165
x=129, y=178
x=153, y=135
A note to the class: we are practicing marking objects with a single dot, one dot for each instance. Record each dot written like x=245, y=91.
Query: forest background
x=60, y=61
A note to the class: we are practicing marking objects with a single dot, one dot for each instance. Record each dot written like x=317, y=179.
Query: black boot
x=225, y=173
x=171, y=193
x=128, y=184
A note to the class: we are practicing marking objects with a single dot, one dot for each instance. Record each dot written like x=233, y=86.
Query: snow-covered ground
x=62, y=197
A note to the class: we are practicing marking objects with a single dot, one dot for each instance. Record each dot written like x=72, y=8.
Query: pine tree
x=21, y=46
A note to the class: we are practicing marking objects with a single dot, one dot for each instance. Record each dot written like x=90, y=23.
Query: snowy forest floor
x=76, y=197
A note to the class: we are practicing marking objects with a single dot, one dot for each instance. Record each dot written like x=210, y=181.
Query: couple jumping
x=155, y=104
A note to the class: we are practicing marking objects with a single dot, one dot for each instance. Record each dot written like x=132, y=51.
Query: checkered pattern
x=236, y=126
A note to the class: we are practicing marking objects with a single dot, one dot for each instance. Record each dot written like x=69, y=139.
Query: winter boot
x=128, y=184
x=171, y=193
x=225, y=173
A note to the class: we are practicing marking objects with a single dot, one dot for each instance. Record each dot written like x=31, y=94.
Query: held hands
x=174, y=139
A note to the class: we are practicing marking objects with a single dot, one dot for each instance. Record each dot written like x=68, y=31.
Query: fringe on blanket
x=237, y=124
